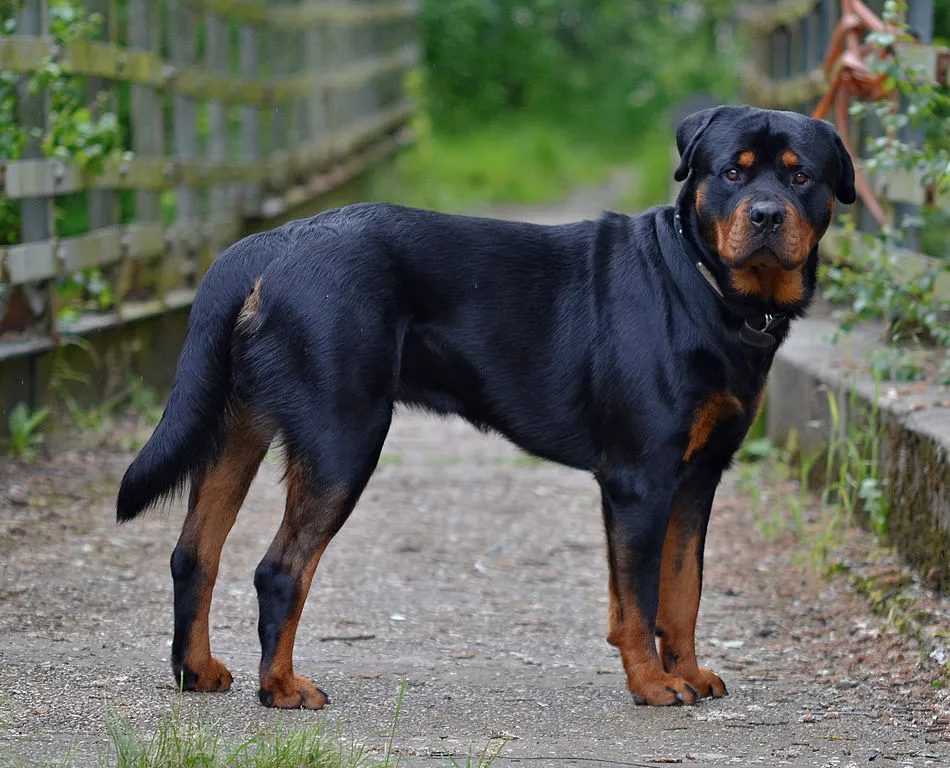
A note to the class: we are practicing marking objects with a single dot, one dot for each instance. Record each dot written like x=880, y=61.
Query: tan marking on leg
x=646, y=679
x=636, y=640
x=310, y=522
x=614, y=609
x=680, y=588
x=717, y=408
x=217, y=498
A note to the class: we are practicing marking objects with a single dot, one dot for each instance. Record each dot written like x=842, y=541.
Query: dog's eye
x=732, y=174
x=800, y=178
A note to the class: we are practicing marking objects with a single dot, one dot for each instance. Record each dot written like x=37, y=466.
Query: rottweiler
x=632, y=347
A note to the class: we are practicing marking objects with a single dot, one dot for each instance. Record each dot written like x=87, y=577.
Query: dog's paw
x=663, y=690
x=707, y=683
x=210, y=676
x=295, y=692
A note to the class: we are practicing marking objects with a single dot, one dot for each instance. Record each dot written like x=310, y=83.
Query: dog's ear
x=845, y=190
x=688, y=134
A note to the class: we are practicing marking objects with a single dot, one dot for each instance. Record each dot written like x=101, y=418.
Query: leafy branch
x=871, y=281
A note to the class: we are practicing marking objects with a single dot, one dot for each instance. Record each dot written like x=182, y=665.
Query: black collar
x=761, y=338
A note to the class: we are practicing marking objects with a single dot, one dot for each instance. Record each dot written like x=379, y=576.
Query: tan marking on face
x=732, y=234
x=700, y=197
x=747, y=159
x=717, y=408
x=790, y=159
x=799, y=237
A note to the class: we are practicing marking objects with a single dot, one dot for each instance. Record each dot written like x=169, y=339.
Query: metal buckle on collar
x=759, y=337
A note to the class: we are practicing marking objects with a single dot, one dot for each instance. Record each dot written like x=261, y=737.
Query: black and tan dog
x=635, y=348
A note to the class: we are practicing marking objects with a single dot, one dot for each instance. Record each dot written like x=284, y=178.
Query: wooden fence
x=788, y=40
x=239, y=111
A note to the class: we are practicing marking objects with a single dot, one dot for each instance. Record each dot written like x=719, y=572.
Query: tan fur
x=216, y=500
x=680, y=587
x=252, y=306
x=715, y=409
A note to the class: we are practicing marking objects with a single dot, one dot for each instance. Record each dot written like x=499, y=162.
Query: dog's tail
x=193, y=427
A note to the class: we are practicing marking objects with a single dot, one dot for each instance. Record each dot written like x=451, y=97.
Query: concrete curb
x=915, y=444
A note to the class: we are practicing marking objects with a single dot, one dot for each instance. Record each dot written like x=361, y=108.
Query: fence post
x=920, y=18
x=104, y=204
x=37, y=214
x=183, y=31
x=148, y=141
x=218, y=60
x=249, y=40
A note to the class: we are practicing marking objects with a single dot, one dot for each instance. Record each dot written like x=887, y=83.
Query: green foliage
x=75, y=132
x=847, y=465
x=509, y=160
x=653, y=171
x=190, y=743
x=603, y=64
x=852, y=462
x=872, y=280
x=25, y=436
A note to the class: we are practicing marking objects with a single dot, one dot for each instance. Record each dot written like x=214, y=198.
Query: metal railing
x=788, y=42
x=287, y=101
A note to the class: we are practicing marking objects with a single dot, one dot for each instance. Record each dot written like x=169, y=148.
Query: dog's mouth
x=759, y=256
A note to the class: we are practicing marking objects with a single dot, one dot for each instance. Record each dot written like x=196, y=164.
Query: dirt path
x=478, y=576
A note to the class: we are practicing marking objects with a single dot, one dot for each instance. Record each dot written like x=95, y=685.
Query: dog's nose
x=767, y=216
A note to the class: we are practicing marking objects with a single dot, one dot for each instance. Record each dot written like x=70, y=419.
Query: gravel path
x=477, y=575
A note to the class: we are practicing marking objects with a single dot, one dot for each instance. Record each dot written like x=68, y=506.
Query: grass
x=847, y=466
x=514, y=160
x=652, y=159
x=178, y=741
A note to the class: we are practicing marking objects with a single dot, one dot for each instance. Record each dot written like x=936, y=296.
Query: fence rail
x=238, y=111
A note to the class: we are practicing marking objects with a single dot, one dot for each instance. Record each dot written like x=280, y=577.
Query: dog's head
x=761, y=195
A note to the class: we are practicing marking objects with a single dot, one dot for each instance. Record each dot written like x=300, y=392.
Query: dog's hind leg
x=212, y=509
x=323, y=485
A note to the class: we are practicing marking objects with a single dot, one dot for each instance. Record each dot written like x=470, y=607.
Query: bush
x=872, y=282
x=603, y=65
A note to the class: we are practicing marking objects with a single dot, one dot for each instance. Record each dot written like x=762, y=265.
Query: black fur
x=187, y=575
x=593, y=344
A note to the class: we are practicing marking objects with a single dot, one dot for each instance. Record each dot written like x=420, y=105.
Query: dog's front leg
x=681, y=581
x=636, y=506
